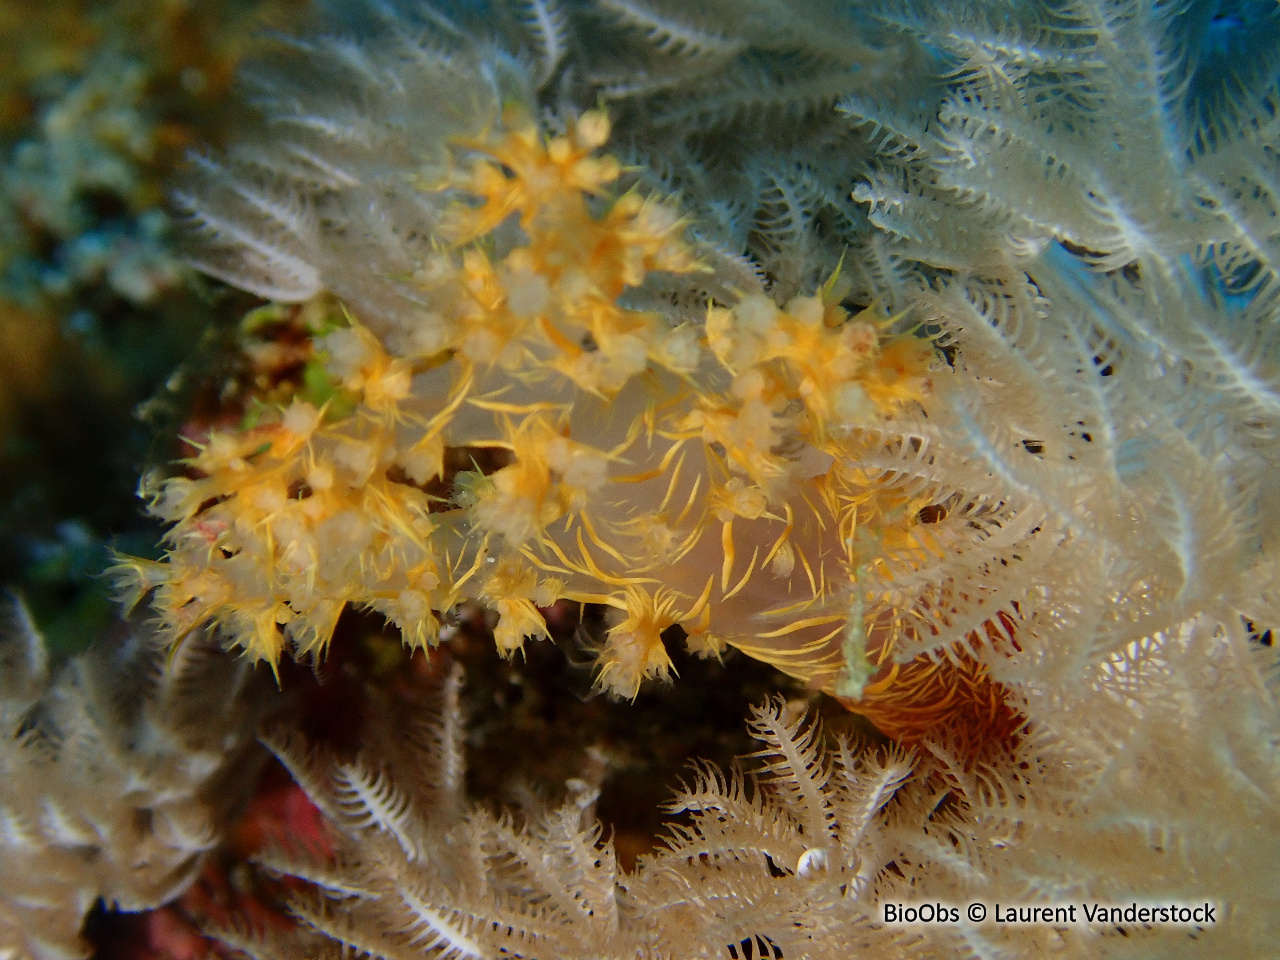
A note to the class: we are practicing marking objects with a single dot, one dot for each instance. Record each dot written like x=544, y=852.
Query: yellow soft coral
x=690, y=474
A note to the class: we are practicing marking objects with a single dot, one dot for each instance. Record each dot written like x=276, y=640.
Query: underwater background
x=115, y=354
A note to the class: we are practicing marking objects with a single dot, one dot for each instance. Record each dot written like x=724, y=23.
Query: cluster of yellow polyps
x=656, y=468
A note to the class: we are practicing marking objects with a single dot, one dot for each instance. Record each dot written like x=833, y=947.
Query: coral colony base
x=929, y=353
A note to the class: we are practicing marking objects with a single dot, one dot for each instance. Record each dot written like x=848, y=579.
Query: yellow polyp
x=134, y=578
x=592, y=130
x=705, y=644
x=267, y=641
x=518, y=620
x=633, y=649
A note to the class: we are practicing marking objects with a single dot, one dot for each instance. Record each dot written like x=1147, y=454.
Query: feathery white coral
x=790, y=864
x=113, y=778
x=802, y=857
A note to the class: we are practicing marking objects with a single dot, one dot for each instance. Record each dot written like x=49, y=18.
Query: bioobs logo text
x=919, y=913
